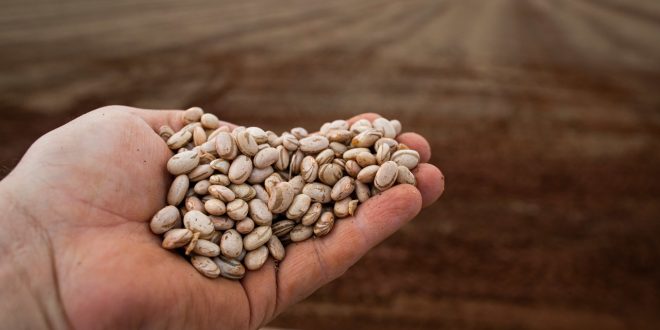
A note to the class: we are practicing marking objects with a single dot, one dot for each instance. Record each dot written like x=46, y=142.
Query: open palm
x=94, y=183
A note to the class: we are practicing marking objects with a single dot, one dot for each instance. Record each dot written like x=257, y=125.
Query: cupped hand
x=89, y=189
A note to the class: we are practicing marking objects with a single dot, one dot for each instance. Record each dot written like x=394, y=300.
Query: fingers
x=261, y=290
x=430, y=182
x=315, y=262
x=417, y=143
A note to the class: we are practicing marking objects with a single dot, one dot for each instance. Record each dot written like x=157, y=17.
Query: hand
x=79, y=251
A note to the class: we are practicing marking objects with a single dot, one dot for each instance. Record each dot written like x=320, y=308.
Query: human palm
x=104, y=176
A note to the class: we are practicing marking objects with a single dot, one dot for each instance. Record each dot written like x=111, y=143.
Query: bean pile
x=241, y=195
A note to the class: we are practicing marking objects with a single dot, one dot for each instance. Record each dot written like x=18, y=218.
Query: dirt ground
x=543, y=115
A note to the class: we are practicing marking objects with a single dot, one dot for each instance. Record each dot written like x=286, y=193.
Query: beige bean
x=222, y=193
x=237, y=209
x=365, y=159
x=390, y=142
x=175, y=238
x=290, y=142
x=217, y=131
x=230, y=268
x=246, y=144
x=341, y=162
x=318, y=192
x=259, y=175
x=219, y=179
x=282, y=227
x=202, y=187
x=297, y=182
x=360, y=125
x=258, y=134
x=178, y=189
x=183, y=162
x=193, y=203
x=273, y=140
x=362, y=191
x=338, y=148
x=271, y=182
x=408, y=158
x=352, y=168
x=259, y=212
x=199, y=136
x=299, y=206
x=197, y=221
x=314, y=143
x=343, y=188
x=240, y=169
x=299, y=132
x=165, y=132
x=341, y=207
x=405, y=176
x=258, y=237
x=367, y=138
x=352, y=153
x=309, y=169
x=210, y=121
x=339, y=135
x=300, y=233
x=226, y=146
x=330, y=173
x=281, y=197
x=325, y=128
x=368, y=174
x=215, y=207
x=312, y=214
x=221, y=222
x=164, y=220
x=231, y=243
x=179, y=139
x=294, y=164
x=383, y=154
x=261, y=192
x=192, y=115
x=385, y=126
x=220, y=165
x=200, y=172
x=206, y=248
x=325, y=157
x=397, y=126
x=324, y=225
x=256, y=258
x=245, y=226
x=386, y=175
x=265, y=157
x=282, y=161
x=205, y=266
x=243, y=191
x=276, y=248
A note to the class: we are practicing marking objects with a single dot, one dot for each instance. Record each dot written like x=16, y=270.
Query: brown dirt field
x=543, y=115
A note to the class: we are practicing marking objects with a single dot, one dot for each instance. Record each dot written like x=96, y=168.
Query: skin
x=77, y=250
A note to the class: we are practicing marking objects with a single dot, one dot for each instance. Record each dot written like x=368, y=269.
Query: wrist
x=29, y=295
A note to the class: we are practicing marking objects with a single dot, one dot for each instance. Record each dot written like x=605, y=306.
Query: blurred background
x=543, y=115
